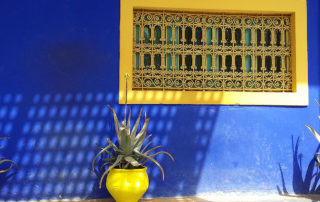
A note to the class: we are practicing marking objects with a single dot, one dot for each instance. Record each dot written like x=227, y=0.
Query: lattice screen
x=207, y=51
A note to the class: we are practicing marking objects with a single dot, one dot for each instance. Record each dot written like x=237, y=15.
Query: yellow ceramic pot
x=127, y=185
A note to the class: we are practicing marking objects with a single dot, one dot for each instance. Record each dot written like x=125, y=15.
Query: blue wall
x=59, y=65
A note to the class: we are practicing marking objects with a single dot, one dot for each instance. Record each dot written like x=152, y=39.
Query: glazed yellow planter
x=127, y=185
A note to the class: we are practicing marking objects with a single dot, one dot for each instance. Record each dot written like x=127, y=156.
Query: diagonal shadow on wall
x=188, y=139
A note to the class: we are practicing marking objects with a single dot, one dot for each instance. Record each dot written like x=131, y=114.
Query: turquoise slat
x=176, y=61
x=248, y=63
x=169, y=34
x=209, y=62
x=209, y=36
x=216, y=40
x=137, y=33
x=169, y=61
x=247, y=37
x=176, y=35
x=137, y=61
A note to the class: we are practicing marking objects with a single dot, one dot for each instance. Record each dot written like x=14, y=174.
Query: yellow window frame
x=298, y=11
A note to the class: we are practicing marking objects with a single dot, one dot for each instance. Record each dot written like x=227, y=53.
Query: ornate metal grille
x=216, y=52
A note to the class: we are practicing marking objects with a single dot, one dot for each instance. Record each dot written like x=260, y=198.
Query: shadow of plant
x=309, y=184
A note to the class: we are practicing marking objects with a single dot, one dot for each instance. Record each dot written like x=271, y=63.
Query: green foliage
x=3, y=160
x=317, y=136
x=128, y=154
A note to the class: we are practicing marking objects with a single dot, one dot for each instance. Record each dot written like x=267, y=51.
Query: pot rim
x=129, y=170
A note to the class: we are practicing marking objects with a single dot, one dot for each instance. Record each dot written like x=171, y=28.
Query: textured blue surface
x=59, y=65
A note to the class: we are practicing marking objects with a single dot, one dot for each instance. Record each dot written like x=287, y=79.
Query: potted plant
x=127, y=178
x=4, y=160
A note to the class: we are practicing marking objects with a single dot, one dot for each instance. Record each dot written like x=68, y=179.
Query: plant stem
x=125, y=108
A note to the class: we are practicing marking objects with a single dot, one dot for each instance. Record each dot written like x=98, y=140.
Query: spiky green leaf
x=316, y=135
x=108, y=162
x=114, y=147
x=119, y=158
x=152, y=149
x=108, y=159
x=126, y=166
x=116, y=122
x=154, y=161
x=126, y=145
x=108, y=152
x=135, y=127
x=6, y=170
x=7, y=161
x=163, y=152
x=139, y=139
x=104, y=164
x=132, y=161
x=145, y=147
x=147, y=137
x=156, y=154
x=101, y=152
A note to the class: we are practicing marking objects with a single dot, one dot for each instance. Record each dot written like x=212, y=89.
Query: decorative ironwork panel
x=213, y=52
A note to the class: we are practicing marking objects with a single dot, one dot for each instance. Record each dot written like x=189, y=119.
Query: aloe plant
x=317, y=136
x=129, y=153
x=5, y=160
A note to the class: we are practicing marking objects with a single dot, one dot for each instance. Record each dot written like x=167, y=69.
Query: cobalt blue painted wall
x=59, y=69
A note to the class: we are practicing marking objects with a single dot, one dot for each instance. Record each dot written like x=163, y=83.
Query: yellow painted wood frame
x=298, y=11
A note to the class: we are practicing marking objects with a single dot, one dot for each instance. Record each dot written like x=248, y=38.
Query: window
x=211, y=52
